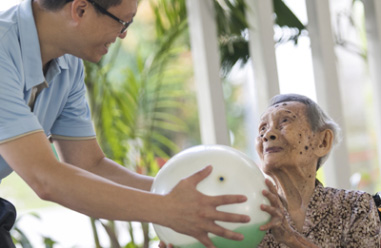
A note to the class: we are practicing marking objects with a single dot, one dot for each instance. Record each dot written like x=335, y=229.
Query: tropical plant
x=136, y=116
x=138, y=107
x=232, y=29
x=20, y=238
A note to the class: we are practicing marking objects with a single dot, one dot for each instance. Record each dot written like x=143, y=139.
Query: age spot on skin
x=306, y=147
x=301, y=153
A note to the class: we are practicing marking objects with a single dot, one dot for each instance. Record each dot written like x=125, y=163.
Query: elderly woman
x=295, y=138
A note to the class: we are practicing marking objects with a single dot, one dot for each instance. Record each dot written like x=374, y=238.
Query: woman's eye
x=284, y=120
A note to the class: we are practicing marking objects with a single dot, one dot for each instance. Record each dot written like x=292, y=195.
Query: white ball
x=233, y=173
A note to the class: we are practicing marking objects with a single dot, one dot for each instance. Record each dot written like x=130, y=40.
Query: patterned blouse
x=338, y=218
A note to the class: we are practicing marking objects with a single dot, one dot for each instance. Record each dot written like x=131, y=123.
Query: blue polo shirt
x=60, y=109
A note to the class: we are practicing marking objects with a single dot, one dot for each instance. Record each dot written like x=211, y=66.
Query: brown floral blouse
x=338, y=218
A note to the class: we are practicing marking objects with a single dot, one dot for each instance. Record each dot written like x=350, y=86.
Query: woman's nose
x=269, y=135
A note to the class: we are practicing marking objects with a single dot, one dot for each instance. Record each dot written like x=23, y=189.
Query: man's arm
x=184, y=209
x=32, y=158
x=87, y=155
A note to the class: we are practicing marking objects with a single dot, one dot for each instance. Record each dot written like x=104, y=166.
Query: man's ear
x=78, y=9
x=325, y=143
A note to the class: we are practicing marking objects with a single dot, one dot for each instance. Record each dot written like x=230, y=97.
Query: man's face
x=102, y=30
x=285, y=138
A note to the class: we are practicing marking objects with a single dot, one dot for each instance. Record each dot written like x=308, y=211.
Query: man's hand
x=193, y=213
x=164, y=245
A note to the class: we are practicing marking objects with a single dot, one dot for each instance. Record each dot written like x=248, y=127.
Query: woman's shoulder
x=349, y=199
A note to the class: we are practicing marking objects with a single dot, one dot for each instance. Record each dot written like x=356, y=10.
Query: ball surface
x=233, y=173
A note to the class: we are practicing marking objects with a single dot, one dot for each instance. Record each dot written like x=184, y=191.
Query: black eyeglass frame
x=104, y=11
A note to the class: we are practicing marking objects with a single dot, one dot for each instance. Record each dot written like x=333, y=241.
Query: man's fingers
x=164, y=245
x=228, y=199
x=205, y=240
x=226, y=233
x=200, y=175
x=227, y=217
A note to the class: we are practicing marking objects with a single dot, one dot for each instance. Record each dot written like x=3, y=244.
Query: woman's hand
x=278, y=225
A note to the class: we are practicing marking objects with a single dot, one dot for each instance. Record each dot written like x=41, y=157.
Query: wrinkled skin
x=285, y=138
x=289, y=151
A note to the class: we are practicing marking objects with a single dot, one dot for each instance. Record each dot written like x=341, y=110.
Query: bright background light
x=295, y=70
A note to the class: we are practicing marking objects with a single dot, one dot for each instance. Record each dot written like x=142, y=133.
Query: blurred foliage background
x=143, y=97
x=142, y=94
x=143, y=101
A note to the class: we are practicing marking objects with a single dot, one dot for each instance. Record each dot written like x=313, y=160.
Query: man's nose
x=123, y=35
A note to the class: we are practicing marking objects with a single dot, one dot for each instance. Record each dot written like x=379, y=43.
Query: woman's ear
x=325, y=143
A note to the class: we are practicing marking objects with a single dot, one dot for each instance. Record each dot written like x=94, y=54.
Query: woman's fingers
x=276, y=217
x=271, y=186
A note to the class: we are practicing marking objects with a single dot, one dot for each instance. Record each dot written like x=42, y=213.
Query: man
x=42, y=94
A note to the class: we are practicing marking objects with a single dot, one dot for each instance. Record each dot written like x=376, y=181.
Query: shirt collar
x=30, y=47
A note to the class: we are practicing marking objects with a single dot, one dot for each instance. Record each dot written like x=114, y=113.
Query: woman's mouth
x=273, y=149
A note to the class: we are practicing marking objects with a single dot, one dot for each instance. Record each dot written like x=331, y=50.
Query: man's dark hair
x=54, y=5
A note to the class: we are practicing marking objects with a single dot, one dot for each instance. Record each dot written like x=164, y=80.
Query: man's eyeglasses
x=105, y=12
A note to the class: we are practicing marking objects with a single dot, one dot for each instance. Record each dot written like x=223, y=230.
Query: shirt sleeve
x=16, y=119
x=74, y=121
x=364, y=224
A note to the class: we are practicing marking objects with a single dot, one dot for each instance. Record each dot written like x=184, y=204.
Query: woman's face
x=285, y=138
